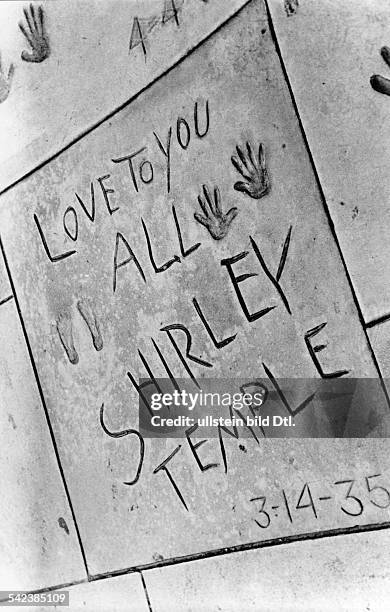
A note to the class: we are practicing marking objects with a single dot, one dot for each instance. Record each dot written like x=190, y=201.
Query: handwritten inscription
x=214, y=456
x=142, y=27
x=140, y=169
x=350, y=502
x=140, y=172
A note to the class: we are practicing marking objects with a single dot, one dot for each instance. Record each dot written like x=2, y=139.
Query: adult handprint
x=253, y=170
x=5, y=82
x=35, y=32
x=214, y=219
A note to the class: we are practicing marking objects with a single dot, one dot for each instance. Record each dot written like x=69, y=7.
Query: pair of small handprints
x=256, y=184
x=65, y=329
x=34, y=31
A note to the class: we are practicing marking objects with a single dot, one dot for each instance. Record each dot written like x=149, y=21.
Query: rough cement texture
x=102, y=294
x=105, y=255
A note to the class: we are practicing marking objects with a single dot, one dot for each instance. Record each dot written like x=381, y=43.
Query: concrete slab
x=344, y=573
x=331, y=50
x=147, y=223
x=38, y=541
x=98, y=56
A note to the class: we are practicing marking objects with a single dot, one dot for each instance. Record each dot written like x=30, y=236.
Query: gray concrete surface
x=331, y=49
x=319, y=576
x=103, y=255
x=94, y=66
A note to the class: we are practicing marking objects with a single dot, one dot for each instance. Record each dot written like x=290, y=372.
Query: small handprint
x=216, y=222
x=253, y=170
x=35, y=32
x=5, y=82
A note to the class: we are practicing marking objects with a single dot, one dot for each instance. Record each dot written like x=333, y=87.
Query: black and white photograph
x=195, y=305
